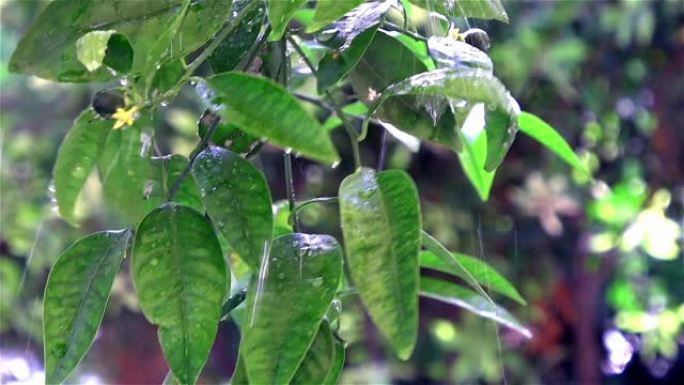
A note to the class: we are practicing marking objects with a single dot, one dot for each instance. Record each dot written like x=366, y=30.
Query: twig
x=308, y=202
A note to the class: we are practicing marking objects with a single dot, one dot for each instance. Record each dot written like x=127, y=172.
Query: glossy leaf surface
x=286, y=304
x=380, y=218
x=454, y=294
x=48, y=49
x=181, y=279
x=280, y=12
x=320, y=360
x=238, y=201
x=545, y=134
x=479, y=9
x=336, y=65
x=265, y=109
x=77, y=157
x=483, y=273
x=343, y=32
x=328, y=11
x=236, y=45
x=473, y=154
x=76, y=297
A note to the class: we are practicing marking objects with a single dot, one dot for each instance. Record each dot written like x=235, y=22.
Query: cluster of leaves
x=439, y=89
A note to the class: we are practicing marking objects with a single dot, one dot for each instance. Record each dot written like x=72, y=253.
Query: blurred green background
x=600, y=263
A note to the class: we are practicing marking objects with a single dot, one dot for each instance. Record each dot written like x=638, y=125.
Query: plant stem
x=393, y=27
x=289, y=177
x=200, y=146
x=351, y=131
x=309, y=202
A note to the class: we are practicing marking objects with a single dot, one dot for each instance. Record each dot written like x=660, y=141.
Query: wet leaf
x=467, y=299
x=48, y=49
x=76, y=158
x=91, y=48
x=328, y=11
x=336, y=65
x=482, y=272
x=280, y=12
x=235, y=46
x=545, y=134
x=343, y=32
x=238, y=201
x=286, y=304
x=380, y=219
x=76, y=297
x=479, y=9
x=181, y=280
x=321, y=359
x=387, y=61
x=473, y=153
x=168, y=169
x=263, y=108
x=455, y=54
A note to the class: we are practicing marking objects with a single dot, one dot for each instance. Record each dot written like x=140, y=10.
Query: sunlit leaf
x=236, y=45
x=321, y=359
x=455, y=54
x=343, y=32
x=48, y=49
x=280, y=12
x=91, y=48
x=76, y=296
x=380, y=219
x=483, y=273
x=286, y=304
x=180, y=276
x=238, y=201
x=328, y=11
x=545, y=134
x=265, y=109
x=479, y=9
x=76, y=158
x=467, y=299
x=473, y=153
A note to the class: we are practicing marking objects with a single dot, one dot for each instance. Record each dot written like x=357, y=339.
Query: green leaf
x=419, y=49
x=286, y=304
x=181, y=280
x=238, y=201
x=239, y=374
x=167, y=170
x=454, y=294
x=337, y=364
x=482, y=272
x=76, y=158
x=472, y=157
x=76, y=297
x=321, y=359
x=235, y=46
x=343, y=32
x=336, y=65
x=455, y=54
x=479, y=9
x=545, y=134
x=48, y=49
x=380, y=219
x=263, y=108
x=92, y=47
x=280, y=12
x=281, y=219
x=328, y=11
x=387, y=61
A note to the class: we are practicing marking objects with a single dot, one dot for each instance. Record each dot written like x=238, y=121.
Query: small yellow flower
x=455, y=33
x=124, y=117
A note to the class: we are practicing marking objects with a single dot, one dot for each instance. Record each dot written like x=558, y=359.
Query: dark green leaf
x=76, y=158
x=482, y=272
x=119, y=55
x=91, y=48
x=280, y=12
x=380, y=218
x=263, y=108
x=387, y=61
x=479, y=9
x=167, y=169
x=181, y=280
x=236, y=45
x=286, y=304
x=337, y=364
x=76, y=296
x=48, y=49
x=328, y=11
x=167, y=76
x=336, y=65
x=450, y=292
x=538, y=129
x=237, y=199
x=319, y=360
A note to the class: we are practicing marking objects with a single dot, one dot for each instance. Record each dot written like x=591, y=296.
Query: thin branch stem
x=351, y=131
x=393, y=27
x=287, y=157
x=309, y=202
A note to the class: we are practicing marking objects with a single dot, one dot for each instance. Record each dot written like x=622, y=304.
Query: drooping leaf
x=336, y=65
x=48, y=49
x=181, y=280
x=455, y=54
x=479, y=9
x=471, y=86
x=328, y=11
x=76, y=158
x=337, y=364
x=454, y=294
x=286, y=304
x=343, y=32
x=236, y=45
x=545, y=134
x=280, y=12
x=76, y=297
x=281, y=216
x=380, y=219
x=320, y=360
x=483, y=273
x=473, y=154
x=238, y=201
x=263, y=108
x=419, y=49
